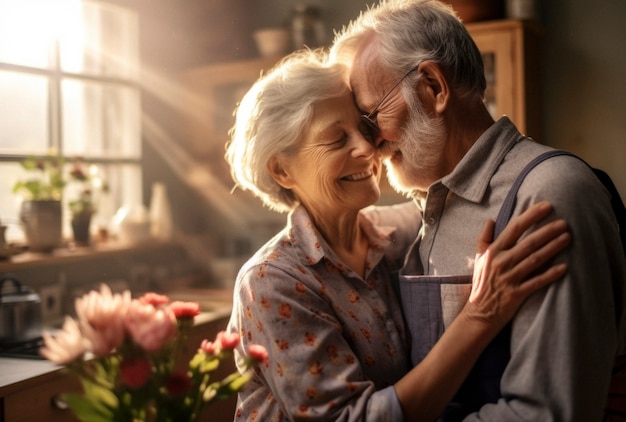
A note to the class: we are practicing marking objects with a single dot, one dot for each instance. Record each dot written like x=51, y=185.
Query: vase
x=81, y=227
x=160, y=213
x=41, y=221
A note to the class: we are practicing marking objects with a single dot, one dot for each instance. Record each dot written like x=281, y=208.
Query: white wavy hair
x=273, y=117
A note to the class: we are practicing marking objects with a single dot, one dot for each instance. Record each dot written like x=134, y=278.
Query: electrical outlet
x=51, y=297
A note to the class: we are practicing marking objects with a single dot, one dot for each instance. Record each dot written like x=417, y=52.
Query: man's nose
x=378, y=140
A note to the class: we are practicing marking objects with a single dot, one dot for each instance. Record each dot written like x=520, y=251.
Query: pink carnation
x=101, y=316
x=209, y=347
x=228, y=340
x=185, y=310
x=223, y=341
x=154, y=299
x=150, y=327
x=66, y=346
x=258, y=353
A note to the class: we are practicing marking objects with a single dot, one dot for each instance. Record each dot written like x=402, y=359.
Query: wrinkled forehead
x=367, y=77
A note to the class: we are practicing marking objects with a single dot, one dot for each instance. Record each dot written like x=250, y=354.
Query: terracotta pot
x=477, y=10
x=41, y=221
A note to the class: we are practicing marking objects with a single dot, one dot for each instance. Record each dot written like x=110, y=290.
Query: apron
x=430, y=304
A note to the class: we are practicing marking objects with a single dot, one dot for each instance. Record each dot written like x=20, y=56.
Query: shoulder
x=567, y=179
x=404, y=216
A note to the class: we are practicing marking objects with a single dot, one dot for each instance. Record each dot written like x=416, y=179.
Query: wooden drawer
x=40, y=402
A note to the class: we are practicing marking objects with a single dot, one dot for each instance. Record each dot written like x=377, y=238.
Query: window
x=68, y=82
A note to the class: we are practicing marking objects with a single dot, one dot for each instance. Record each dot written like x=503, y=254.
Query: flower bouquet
x=125, y=353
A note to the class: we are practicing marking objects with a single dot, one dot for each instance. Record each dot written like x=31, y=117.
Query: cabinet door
x=503, y=94
x=42, y=402
x=511, y=55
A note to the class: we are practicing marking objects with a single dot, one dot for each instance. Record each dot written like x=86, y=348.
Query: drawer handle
x=59, y=403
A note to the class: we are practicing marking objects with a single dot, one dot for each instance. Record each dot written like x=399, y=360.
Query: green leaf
x=88, y=410
x=209, y=366
x=100, y=394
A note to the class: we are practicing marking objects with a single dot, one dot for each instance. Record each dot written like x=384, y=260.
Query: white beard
x=416, y=157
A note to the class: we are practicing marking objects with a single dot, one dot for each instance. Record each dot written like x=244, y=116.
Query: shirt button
x=431, y=220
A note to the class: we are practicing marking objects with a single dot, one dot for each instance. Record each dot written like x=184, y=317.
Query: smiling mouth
x=358, y=176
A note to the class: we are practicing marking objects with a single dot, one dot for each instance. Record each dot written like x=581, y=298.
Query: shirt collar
x=303, y=234
x=470, y=178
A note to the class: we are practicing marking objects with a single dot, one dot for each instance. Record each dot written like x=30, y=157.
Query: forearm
x=426, y=390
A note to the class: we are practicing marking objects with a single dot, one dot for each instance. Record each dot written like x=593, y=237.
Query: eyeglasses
x=369, y=120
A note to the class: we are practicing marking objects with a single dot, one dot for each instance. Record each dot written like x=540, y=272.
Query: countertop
x=16, y=374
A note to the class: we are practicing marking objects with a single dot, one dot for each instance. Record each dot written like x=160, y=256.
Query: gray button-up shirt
x=565, y=337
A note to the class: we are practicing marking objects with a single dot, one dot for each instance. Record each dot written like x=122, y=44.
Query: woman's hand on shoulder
x=507, y=270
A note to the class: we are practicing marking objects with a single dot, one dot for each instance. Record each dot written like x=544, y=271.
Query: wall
x=584, y=85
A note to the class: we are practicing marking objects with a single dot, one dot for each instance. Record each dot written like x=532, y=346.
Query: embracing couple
x=418, y=311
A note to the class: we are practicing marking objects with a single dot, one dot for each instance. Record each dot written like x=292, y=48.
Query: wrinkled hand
x=505, y=271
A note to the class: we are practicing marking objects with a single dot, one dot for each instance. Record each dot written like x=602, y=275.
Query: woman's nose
x=363, y=146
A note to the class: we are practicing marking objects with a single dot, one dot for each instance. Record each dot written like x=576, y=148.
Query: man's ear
x=280, y=172
x=435, y=85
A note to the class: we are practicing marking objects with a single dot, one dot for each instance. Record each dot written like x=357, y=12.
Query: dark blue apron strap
x=509, y=202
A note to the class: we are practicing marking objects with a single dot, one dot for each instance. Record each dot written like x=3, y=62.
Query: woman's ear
x=280, y=172
x=435, y=85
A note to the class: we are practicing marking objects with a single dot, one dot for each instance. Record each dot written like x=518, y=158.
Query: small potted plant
x=40, y=212
x=83, y=207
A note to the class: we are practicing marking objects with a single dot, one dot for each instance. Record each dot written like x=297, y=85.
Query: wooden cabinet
x=41, y=400
x=512, y=58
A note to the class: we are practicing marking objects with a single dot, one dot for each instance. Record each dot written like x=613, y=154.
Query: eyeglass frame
x=368, y=119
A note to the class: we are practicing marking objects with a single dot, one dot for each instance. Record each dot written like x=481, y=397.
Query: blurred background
x=143, y=91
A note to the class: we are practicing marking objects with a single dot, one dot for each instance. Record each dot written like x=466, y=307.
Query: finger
x=520, y=223
x=538, y=258
x=549, y=276
x=535, y=240
x=486, y=237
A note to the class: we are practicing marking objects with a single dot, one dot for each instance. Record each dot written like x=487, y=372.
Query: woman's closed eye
x=336, y=143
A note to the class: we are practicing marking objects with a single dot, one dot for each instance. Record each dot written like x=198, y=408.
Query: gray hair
x=412, y=31
x=272, y=118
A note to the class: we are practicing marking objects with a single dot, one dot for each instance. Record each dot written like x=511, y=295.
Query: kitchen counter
x=17, y=374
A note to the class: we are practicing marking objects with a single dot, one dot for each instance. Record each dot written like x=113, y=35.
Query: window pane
x=10, y=202
x=27, y=31
x=100, y=120
x=23, y=113
x=104, y=41
x=125, y=189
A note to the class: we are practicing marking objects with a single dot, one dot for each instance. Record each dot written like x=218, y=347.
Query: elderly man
x=418, y=79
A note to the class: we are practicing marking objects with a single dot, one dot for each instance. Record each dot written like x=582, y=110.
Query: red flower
x=209, y=347
x=178, y=383
x=258, y=352
x=154, y=299
x=228, y=340
x=185, y=310
x=135, y=371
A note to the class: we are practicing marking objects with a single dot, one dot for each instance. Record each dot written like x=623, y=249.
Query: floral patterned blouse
x=336, y=341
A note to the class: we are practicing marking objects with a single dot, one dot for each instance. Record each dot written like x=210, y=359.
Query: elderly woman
x=320, y=295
